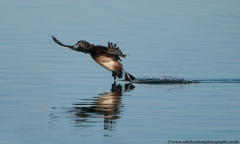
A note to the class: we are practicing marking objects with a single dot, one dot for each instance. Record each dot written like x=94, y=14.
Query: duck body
x=108, y=61
x=107, y=57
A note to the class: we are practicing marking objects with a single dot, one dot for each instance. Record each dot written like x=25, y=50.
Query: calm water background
x=50, y=94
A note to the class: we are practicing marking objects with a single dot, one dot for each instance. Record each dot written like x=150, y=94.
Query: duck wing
x=113, y=49
x=69, y=46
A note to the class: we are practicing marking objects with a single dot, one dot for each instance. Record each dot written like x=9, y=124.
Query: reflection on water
x=84, y=113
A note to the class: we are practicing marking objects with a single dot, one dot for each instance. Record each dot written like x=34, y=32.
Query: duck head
x=82, y=45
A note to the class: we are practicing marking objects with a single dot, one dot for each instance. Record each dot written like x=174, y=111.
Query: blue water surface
x=51, y=94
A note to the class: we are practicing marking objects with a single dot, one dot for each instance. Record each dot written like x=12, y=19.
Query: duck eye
x=80, y=43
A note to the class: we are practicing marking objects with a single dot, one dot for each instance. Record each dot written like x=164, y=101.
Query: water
x=50, y=94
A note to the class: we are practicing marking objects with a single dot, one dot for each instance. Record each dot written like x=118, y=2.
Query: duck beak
x=76, y=46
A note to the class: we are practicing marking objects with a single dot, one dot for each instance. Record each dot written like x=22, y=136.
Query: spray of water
x=163, y=80
x=180, y=80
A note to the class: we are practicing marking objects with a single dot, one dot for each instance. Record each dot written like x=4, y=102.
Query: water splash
x=163, y=80
x=180, y=80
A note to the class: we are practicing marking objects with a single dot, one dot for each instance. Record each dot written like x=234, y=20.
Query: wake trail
x=179, y=80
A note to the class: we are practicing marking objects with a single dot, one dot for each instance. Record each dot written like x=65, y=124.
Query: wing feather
x=113, y=49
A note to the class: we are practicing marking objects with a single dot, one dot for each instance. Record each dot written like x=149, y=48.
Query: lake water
x=50, y=94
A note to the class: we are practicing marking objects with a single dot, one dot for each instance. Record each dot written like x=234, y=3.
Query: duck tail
x=128, y=76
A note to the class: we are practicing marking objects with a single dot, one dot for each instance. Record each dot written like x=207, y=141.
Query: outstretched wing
x=59, y=43
x=71, y=47
x=113, y=49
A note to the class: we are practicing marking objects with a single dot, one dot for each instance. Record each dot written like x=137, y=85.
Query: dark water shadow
x=216, y=81
x=86, y=112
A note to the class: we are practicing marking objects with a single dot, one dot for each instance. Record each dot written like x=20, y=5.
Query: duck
x=108, y=57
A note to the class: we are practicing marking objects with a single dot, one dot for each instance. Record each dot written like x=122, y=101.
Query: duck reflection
x=107, y=106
